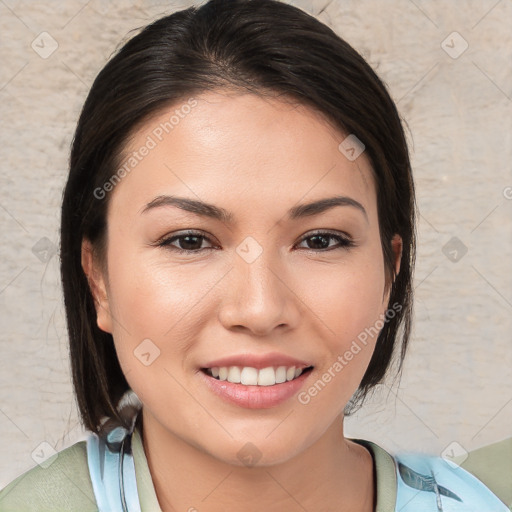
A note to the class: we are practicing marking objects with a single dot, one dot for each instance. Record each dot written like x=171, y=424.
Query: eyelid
x=326, y=231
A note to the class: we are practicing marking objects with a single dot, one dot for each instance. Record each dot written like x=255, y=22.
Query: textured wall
x=457, y=102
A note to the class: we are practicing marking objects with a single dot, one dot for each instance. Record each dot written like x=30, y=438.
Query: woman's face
x=252, y=279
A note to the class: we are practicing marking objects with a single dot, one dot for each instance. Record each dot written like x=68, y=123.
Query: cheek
x=348, y=301
x=153, y=300
x=350, y=308
x=346, y=298
x=158, y=312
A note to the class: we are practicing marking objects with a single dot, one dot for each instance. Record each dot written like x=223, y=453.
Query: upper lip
x=257, y=361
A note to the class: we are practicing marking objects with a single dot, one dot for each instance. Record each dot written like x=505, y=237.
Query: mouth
x=249, y=376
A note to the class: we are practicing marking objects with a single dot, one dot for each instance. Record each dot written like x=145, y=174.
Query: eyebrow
x=215, y=212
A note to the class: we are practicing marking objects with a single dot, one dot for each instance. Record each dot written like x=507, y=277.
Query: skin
x=255, y=158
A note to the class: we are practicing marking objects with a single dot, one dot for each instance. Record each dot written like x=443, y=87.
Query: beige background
x=457, y=381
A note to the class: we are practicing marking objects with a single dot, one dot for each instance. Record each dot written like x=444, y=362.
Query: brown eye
x=188, y=242
x=320, y=241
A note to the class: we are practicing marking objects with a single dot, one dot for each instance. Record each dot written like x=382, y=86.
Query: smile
x=253, y=388
x=249, y=376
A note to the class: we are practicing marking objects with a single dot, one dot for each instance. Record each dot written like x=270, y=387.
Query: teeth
x=267, y=376
x=249, y=376
x=280, y=374
x=234, y=374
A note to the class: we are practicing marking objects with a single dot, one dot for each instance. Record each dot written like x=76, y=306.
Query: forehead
x=221, y=143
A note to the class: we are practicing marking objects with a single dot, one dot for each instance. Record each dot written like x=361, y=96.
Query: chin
x=252, y=451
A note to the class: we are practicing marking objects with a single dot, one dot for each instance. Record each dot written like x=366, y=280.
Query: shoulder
x=427, y=481
x=492, y=465
x=477, y=481
x=60, y=483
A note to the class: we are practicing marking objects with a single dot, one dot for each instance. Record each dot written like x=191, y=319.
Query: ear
x=396, y=246
x=97, y=285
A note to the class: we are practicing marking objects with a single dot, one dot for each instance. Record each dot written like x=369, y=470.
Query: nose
x=258, y=297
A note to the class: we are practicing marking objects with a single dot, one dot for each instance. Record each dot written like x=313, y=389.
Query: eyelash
x=344, y=242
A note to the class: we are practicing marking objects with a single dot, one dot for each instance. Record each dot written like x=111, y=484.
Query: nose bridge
x=257, y=296
x=260, y=275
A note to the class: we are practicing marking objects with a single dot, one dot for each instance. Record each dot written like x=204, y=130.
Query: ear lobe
x=97, y=286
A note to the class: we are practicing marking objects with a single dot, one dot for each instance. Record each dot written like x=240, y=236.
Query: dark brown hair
x=260, y=46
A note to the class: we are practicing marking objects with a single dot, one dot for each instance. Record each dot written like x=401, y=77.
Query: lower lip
x=255, y=397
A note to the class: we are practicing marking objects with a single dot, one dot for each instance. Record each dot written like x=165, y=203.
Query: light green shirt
x=65, y=485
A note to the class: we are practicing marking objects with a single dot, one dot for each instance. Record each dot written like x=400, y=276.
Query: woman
x=237, y=249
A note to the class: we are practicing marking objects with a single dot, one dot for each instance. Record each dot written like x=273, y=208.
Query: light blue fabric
x=424, y=483
x=115, y=489
x=427, y=483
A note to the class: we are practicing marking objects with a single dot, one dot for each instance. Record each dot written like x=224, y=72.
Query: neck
x=334, y=473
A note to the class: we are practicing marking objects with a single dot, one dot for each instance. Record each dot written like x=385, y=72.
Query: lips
x=257, y=361
x=255, y=381
x=255, y=396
